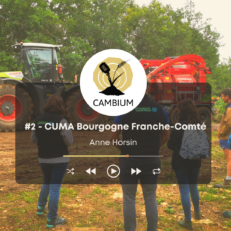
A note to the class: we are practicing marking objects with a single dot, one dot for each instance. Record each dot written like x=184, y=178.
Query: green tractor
x=24, y=94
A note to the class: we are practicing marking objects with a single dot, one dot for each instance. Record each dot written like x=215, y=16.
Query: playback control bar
x=113, y=156
x=113, y=171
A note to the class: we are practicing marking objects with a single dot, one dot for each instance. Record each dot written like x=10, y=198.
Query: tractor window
x=40, y=62
x=55, y=57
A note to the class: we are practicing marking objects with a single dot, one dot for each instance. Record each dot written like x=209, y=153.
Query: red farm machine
x=23, y=94
x=174, y=79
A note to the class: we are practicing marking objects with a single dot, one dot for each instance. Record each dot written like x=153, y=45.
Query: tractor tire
x=16, y=108
x=205, y=115
x=78, y=111
x=174, y=116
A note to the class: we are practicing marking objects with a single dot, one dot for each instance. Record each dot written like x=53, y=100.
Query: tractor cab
x=24, y=93
x=39, y=61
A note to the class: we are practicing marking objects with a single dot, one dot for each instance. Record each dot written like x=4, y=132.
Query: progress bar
x=126, y=156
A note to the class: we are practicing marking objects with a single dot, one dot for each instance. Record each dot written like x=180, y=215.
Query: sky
x=218, y=11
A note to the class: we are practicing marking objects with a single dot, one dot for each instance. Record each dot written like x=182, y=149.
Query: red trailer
x=177, y=78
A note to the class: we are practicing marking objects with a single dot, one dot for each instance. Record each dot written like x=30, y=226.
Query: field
x=99, y=206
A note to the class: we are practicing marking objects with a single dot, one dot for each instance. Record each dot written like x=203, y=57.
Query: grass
x=212, y=191
x=202, y=188
x=169, y=210
x=95, y=206
x=159, y=200
x=118, y=208
x=97, y=190
x=68, y=191
x=209, y=197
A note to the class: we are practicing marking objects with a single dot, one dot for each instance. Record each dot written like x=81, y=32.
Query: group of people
x=52, y=147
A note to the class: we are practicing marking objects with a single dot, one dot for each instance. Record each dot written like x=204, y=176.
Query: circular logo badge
x=113, y=82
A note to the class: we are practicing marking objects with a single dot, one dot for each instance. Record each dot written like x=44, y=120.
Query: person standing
x=227, y=214
x=148, y=143
x=52, y=145
x=186, y=170
x=223, y=134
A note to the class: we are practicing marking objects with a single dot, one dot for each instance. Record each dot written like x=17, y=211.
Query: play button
x=113, y=171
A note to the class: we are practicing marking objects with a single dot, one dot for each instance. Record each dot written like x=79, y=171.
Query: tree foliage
x=221, y=77
x=85, y=27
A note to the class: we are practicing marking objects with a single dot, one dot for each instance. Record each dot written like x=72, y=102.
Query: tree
x=85, y=27
x=89, y=26
x=24, y=21
x=204, y=40
x=157, y=31
x=221, y=77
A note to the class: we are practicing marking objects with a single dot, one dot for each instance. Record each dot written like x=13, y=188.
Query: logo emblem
x=113, y=76
x=113, y=82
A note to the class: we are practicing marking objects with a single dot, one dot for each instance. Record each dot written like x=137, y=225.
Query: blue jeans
x=53, y=177
x=187, y=180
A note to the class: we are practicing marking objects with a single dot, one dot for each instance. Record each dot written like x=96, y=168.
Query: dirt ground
x=98, y=206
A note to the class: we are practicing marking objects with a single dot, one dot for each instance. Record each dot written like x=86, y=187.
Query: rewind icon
x=89, y=171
